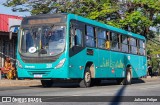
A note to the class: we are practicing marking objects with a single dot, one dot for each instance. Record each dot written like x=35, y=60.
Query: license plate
x=37, y=75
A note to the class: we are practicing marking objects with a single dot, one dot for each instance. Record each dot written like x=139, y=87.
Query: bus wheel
x=46, y=83
x=127, y=79
x=86, y=81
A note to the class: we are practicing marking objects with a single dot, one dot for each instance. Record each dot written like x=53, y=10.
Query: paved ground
x=27, y=82
x=145, y=87
x=12, y=83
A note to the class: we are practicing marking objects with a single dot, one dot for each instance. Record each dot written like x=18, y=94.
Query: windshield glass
x=42, y=41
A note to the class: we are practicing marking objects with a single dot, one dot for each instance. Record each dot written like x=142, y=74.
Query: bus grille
x=39, y=72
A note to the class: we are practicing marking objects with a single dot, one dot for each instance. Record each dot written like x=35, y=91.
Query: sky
x=8, y=10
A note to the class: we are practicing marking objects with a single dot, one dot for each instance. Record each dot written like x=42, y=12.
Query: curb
x=149, y=79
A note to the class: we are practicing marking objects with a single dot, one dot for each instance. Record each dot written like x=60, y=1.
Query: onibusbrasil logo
x=21, y=99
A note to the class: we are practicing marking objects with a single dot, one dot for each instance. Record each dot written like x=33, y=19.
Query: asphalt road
x=107, y=88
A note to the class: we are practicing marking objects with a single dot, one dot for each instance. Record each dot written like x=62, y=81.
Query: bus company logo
x=6, y=99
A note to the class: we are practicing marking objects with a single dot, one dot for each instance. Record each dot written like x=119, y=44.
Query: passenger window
x=72, y=38
x=90, y=31
x=133, y=47
x=90, y=42
x=132, y=41
x=101, y=34
x=142, y=44
x=142, y=47
x=114, y=37
x=114, y=41
x=124, y=39
x=125, y=44
x=78, y=37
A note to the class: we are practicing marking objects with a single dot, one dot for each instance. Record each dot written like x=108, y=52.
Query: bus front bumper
x=42, y=74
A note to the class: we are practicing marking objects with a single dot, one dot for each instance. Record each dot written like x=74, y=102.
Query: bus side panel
x=112, y=64
x=103, y=68
x=137, y=63
x=75, y=62
x=133, y=60
x=117, y=64
x=74, y=65
x=143, y=67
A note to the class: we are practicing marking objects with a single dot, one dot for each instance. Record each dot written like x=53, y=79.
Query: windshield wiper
x=42, y=50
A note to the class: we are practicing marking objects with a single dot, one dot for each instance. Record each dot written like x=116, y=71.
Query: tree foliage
x=132, y=15
x=137, y=16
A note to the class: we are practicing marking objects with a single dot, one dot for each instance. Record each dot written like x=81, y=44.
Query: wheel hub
x=87, y=77
x=128, y=76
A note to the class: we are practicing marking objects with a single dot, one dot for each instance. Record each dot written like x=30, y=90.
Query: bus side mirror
x=13, y=29
x=10, y=35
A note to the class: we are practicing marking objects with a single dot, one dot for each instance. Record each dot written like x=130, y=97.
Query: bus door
x=76, y=51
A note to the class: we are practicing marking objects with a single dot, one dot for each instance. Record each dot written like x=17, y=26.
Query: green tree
x=132, y=15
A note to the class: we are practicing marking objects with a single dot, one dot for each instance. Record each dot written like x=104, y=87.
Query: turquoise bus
x=67, y=46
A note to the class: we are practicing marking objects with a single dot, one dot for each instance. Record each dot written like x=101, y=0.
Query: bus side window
x=124, y=40
x=114, y=41
x=101, y=37
x=72, y=34
x=142, y=47
x=133, y=47
x=78, y=37
x=137, y=44
x=90, y=40
x=119, y=42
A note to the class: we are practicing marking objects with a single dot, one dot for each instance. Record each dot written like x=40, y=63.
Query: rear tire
x=127, y=79
x=86, y=81
x=46, y=83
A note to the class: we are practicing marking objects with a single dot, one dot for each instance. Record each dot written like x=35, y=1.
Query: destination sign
x=44, y=21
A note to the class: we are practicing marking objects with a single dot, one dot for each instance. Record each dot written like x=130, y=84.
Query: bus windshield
x=39, y=41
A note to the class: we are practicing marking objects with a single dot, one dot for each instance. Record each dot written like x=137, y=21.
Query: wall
x=8, y=47
x=8, y=20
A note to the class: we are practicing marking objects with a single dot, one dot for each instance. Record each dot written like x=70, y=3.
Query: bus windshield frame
x=42, y=40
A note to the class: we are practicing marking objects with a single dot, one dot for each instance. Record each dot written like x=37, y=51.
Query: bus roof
x=96, y=23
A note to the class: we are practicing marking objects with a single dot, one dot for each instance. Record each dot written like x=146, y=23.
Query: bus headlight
x=19, y=64
x=60, y=64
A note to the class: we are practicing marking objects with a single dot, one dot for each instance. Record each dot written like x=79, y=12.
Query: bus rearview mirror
x=10, y=35
x=13, y=29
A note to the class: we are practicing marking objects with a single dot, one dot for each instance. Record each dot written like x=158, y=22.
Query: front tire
x=86, y=81
x=46, y=83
